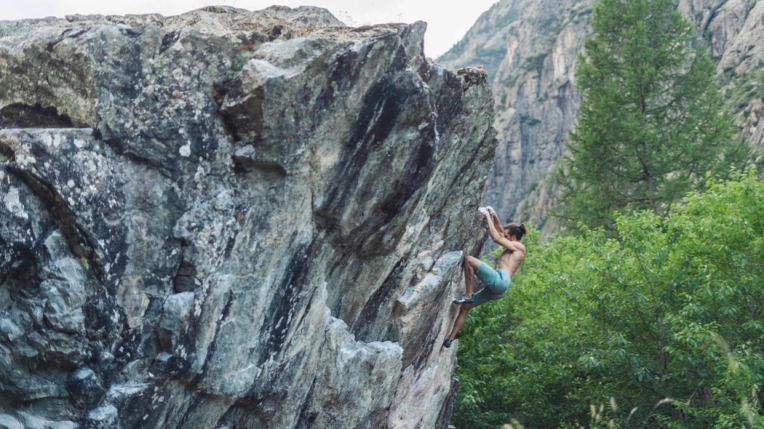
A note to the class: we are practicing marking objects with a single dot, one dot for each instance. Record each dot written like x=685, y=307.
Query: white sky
x=447, y=20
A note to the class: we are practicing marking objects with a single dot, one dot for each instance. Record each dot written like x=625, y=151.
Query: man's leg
x=465, y=308
x=471, y=264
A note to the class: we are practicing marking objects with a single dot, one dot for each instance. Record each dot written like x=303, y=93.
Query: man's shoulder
x=516, y=244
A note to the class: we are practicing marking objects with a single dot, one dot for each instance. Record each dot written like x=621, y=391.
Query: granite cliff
x=232, y=219
x=530, y=49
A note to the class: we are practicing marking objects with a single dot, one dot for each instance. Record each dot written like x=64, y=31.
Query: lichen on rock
x=232, y=219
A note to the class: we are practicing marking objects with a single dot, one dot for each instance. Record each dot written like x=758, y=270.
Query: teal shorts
x=497, y=282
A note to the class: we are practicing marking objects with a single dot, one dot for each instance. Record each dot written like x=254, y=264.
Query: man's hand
x=494, y=216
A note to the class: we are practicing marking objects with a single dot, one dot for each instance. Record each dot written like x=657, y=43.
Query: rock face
x=232, y=219
x=530, y=48
x=533, y=84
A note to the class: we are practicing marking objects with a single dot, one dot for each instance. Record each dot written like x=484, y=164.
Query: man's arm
x=499, y=238
x=496, y=221
x=496, y=236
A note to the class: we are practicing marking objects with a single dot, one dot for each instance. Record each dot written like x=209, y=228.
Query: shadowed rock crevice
x=184, y=279
x=245, y=160
x=448, y=405
x=19, y=115
x=6, y=150
x=378, y=117
x=364, y=323
x=283, y=306
x=244, y=120
x=62, y=216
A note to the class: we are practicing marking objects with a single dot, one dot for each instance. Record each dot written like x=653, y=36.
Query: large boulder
x=232, y=219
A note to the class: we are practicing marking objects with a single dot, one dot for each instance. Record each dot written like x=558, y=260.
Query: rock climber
x=496, y=281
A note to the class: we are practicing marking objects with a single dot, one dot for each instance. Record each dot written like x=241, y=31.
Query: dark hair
x=517, y=230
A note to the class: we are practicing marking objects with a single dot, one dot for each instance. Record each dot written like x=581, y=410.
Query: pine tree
x=652, y=122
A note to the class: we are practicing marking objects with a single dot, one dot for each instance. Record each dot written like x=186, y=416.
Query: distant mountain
x=530, y=48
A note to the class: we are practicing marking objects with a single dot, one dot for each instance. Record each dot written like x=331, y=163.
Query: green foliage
x=458, y=48
x=746, y=88
x=667, y=320
x=652, y=121
x=511, y=82
x=240, y=59
x=535, y=62
x=529, y=120
x=494, y=52
x=511, y=16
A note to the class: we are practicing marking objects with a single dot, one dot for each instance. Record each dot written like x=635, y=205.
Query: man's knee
x=472, y=262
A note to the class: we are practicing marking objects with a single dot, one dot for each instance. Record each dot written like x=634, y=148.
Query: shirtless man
x=496, y=281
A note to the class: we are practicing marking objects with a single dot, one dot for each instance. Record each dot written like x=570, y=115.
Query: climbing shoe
x=447, y=343
x=463, y=300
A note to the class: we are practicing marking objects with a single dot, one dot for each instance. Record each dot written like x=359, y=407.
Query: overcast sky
x=447, y=20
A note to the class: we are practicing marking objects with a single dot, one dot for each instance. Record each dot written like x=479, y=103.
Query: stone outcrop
x=530, y=48
x=232, y=219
